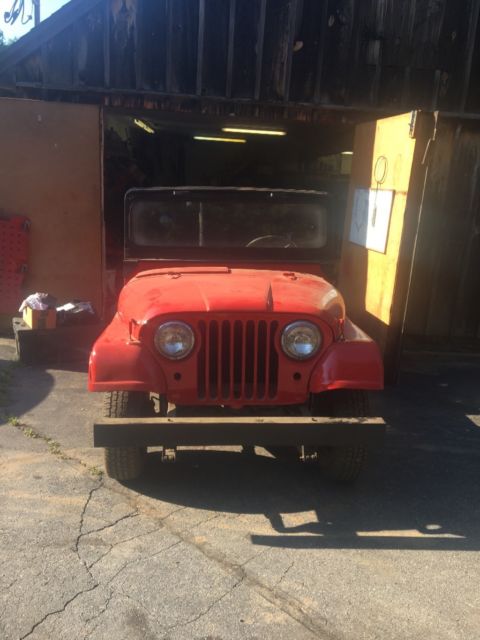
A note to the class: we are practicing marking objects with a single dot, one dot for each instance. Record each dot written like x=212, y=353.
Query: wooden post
x=36, y=12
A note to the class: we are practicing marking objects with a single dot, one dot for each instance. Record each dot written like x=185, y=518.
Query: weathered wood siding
x=445, y=295
x=385, y=55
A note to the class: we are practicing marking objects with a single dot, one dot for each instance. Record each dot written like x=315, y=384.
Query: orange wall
x=50, y=171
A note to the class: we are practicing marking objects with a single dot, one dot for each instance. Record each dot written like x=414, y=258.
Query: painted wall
x=50, y=171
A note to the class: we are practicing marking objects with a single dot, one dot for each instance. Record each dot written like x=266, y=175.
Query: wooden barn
x=371, y=95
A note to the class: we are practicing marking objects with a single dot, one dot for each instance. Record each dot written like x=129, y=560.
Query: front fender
x=120, y=364
x=354, y=363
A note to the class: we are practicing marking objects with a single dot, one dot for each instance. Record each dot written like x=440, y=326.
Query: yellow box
x=37, y=319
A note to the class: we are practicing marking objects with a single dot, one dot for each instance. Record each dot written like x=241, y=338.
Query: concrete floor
x=226, y=546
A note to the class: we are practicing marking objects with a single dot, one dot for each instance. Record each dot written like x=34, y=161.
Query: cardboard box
x=36, y=319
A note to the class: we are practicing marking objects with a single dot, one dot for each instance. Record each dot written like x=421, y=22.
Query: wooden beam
x=343, y=114
x=470, y=48
x=238, y=430
x=221, y=422
x=168, y=55
x=75, y=53
x=355, y=38
x=405, y=88
x=287, y=74
x=437, y=77
x=106, y=43
x=45, y=66
x=377, y=76
x=45, y=69
x=260, y=39
x=36, y=13
x=405, y=97
x=231, y=48
x=139, y=26
x=200, y=47
x=321, y=53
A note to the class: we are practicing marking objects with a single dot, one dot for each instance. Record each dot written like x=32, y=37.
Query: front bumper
x=260, y=431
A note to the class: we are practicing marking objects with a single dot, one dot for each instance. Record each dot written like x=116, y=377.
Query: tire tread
x=124, y=463
x=344, y=464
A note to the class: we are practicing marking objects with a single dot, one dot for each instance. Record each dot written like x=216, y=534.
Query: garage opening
x=148, y=149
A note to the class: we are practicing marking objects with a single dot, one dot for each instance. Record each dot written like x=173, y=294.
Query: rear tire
x=344, y=464
x=125, y=463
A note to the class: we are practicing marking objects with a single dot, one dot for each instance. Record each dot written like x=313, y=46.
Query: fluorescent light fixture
x=143, y=125
x=347, y=153
x=214, y=139
x=258, y=132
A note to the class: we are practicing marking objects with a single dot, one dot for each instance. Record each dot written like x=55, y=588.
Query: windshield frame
x=222, y=254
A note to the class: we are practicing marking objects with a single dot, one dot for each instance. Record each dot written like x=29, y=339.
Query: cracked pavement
x=223, y=545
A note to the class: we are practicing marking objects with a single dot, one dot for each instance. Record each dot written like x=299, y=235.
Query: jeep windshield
x=249, y=221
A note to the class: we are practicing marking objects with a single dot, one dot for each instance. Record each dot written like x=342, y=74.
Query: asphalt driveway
x=222, y=545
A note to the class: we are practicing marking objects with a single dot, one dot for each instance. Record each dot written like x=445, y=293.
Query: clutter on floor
x=39, y=311
x=51, y=334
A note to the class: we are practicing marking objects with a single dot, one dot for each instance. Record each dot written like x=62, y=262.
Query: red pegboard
x=13, y=261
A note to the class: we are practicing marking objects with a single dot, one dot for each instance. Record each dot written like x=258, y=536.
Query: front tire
x=344, y=464
x=125, y=463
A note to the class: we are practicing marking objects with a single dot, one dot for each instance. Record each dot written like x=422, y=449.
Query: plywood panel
x=387, y=156
x=51, y=172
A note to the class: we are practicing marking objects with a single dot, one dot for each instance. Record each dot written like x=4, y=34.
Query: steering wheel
x=278, y=241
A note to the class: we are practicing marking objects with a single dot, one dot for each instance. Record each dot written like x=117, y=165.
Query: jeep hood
x=221, y=289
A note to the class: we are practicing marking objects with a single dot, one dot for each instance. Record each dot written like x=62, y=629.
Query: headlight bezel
x=293, y=326
x=169, y=324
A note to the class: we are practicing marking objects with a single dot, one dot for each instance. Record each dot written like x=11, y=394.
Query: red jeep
x=226, y=333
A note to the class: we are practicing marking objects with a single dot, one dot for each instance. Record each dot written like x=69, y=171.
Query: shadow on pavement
x=420, y=492
x=35, y=384
x=77, y=366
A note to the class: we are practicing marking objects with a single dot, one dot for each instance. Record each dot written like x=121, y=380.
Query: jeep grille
x=237, y=360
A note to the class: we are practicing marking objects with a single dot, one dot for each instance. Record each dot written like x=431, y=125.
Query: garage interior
x=152, y=150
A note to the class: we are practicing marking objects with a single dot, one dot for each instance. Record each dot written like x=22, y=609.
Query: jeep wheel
x=344, y=464
x=125, y=463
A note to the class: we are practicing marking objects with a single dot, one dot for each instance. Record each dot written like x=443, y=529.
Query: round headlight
x=174, y=340
x=301, y=340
